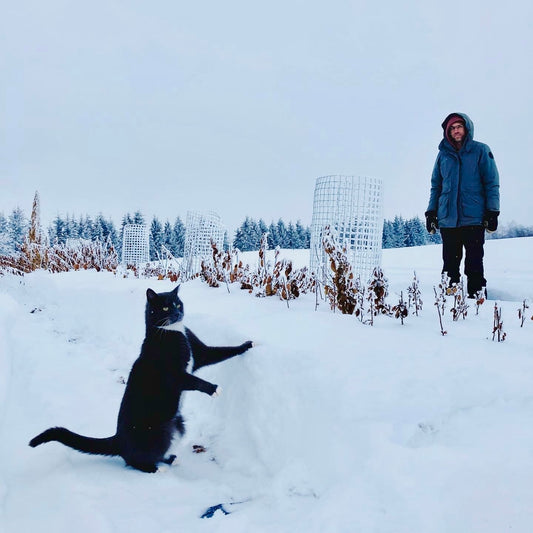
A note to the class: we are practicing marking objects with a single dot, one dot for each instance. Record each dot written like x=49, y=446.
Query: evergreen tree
x=415, y=232
x=156, y=239
x=435, y=238
x=282, y=234
x=179, y=238
x=17, y=226
x=99, y=228
x=255, y=235
x=247, y=236
x=138, y=218
x=308, y=237
x=72, y=228
x=86, y=228
x=4, y=235
x=292, y=237
x=105, y=231
x=398, y=232
x=241, y=239
x=127, y=219
x=304, y=235
x=273, y=236
x=112, y=235
x=419, y=229
x=387, y=236
x=168, y=237
x=262, y=229
x=56, y=231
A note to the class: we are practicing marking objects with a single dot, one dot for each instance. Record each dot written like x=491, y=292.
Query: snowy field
x=327, y=425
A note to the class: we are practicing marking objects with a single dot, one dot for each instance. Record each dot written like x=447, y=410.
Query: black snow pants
x=471, y=238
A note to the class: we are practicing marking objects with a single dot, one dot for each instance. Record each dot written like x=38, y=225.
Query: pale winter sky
x=237, y=106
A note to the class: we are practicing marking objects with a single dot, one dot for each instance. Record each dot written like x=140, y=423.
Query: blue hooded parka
x=465, y=182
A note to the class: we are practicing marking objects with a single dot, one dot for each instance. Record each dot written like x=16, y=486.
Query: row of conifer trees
x=397, y=233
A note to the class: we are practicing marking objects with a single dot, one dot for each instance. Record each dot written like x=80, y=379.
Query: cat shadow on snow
x=149, y=415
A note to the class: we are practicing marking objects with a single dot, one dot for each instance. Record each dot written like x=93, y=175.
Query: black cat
x=149, y=413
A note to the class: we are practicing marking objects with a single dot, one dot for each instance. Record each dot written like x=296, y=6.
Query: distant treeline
x=291, y=236
x=62, y=229
x=401, y=233
x=397, y=233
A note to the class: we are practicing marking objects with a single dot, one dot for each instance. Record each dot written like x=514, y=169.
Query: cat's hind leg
x=149, y=468
x=169, y=460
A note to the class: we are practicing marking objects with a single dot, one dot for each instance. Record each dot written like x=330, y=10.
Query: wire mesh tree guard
x=352, y=207
x=200, y=229
x=135, y=244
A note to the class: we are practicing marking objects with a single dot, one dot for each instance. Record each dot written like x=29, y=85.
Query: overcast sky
x=238, y=106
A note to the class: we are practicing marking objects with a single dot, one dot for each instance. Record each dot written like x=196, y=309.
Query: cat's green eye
x=165, y=308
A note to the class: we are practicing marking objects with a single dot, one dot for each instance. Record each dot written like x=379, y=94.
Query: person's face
x=457, y=132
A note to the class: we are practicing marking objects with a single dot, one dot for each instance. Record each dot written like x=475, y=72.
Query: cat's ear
x=151, y=295
x=175, y=291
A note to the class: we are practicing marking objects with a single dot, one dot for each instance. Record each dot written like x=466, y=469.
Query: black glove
x=490, y=220
x=431, y=221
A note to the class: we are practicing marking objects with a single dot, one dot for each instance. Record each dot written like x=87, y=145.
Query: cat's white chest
x=176, y=326
x=180, y=327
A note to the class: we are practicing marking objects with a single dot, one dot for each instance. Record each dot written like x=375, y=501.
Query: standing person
x=464, y=200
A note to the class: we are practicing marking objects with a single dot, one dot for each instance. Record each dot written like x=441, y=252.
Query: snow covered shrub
x=340, y=286
x=82, y=255
x=378, y=290
x=261, y=280
x=286, y=282
x=213, y=272
x=497, y=328
x=61, y=258
x=13, y=265
x=159, y=271
x=414, y=296
x=522, y=313
x=400, y=310
x=440, y=299
x=169, y=266
x=166, y=267
x=224, y=267
x=281, y=280
x=460, y=307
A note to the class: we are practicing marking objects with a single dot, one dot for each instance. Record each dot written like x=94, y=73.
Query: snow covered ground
x=326, y=426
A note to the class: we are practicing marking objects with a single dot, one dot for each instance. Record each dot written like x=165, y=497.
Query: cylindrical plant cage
x=200, y=229
x=352, y=207
x=135, y=244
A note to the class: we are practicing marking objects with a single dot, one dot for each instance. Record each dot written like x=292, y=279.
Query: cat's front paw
x=218, y=392
x=247, y=345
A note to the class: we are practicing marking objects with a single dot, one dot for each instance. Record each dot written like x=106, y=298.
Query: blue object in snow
x=213, y=509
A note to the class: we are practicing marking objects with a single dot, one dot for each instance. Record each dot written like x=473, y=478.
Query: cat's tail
x=107, y=446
